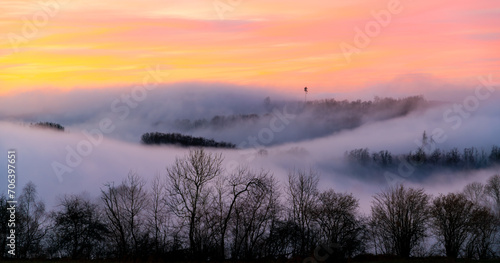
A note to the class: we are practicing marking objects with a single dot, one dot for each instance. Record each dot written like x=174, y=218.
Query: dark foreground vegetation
x=360, y=259
x=196, y=211
x=158, y=138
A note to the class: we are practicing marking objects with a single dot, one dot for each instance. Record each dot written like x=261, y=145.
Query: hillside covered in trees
x=296, y=121
x=158, y=138
x=336, y=115
x=48, y=125
x=197, y=211
x=421, y=162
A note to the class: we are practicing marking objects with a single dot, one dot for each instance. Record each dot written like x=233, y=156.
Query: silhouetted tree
x=340, y=225
x=484, y=231
x=254, y=213
x=30, y=222
x=436, y=157
x=125, y=207
x=229, y=190
x=453, y=157
x=49, y=125
x=492, y=189
x=475, y=192
x=4, y=227
x=182, y=140
x=361, y=156
x=421, y=161
x=451, y=217
x=78, y=228
x=495, y=154
x=188, y=188
x=382, y=158
x=400, y=216
x=159, y=217
x=302, y=193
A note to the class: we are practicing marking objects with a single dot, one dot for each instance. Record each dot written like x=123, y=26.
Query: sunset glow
x=250, y=131
x=282, y=44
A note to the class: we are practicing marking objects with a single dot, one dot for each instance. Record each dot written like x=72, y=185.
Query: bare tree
x=400, y=216
x=476, y=193
x=4, y=227
x=340, y=225
x=253, y=214
x=451, y=217
x=302, y=194
x=30, y=224
x=230, y=189
x=188, y=190
x=492, y=189
x=485, y=229
x=125, y=208
x=158, y=219
x=78, y=228
x=483, y=233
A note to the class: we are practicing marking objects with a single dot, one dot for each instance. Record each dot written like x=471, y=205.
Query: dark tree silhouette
x=482, y=243
x=31, y=220
x=49, y=125
x=199, y=211
x=253, y=218
x=159, y=217
x=340, y=224
x=78, y=228
x=4, y=225
x=424, y=163
x=400, y=216
x=451, y=217
x=492, y=189
x=125, y=207
x=182, y=140
x=188, y=183
x=302, y=193
x=229, y=192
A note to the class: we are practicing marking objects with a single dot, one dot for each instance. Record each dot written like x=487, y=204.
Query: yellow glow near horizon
x=281, y=43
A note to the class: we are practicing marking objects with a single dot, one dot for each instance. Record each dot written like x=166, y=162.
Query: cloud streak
x=284, y=43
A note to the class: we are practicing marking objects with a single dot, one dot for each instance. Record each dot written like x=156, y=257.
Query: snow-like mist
x=284, y=136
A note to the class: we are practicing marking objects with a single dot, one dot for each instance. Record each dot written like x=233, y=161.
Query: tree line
x=196, y=210
x=329, y=115
x=48, y=125
x=469, y=158
x=158, y=138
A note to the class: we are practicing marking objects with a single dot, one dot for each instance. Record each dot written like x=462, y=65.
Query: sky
x=329, y=46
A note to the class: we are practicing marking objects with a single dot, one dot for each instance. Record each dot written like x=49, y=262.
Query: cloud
x=112, y=158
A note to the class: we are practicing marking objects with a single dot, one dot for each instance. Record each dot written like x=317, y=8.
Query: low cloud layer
x=48, y=157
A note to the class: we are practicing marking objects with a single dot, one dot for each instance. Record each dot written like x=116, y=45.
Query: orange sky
x=287, y=44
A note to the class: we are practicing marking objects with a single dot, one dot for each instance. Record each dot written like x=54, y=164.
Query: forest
x=307, y=120
x=48, y=125
x=197, y=211
x=334, y=114
x=158, y=138
x=470, y=158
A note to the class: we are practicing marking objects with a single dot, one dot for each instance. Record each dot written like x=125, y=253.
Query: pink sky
x=282, y=44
